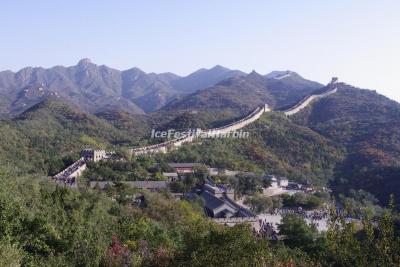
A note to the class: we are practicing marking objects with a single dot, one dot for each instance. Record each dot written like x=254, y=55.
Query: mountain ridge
x=246, y=92
x=95, y=88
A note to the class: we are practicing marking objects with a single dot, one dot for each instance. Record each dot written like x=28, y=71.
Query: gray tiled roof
x=210, y=201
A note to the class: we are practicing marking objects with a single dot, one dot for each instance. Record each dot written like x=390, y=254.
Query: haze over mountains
x=93, y=88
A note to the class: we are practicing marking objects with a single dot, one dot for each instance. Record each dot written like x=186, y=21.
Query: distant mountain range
x=93, y=89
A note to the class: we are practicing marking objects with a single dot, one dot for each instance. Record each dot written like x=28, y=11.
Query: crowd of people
x=267, y=225
x=316, y=215
x=267, y=230
x=311, y=215
x=66, y=176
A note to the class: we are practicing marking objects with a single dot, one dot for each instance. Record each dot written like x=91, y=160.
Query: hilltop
x=45, y=137
x=244, y=93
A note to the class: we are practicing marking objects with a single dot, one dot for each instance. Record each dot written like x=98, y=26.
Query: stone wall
x=71, y=173
x=172, y=144
x=306, y=101
x=253, y=116
x=253, y=221
x=237, y=125
x=163, y=147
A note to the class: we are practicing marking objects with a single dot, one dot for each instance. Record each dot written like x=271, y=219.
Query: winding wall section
x=253, y=116
x=307, y=100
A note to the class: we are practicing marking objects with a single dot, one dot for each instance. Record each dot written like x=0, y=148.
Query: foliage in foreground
x=46, y=225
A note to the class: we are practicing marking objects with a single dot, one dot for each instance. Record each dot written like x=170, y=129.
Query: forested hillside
x=43, y=224
x=368, y=126
x=50, y=135
x=351, y=137
x=275, y=145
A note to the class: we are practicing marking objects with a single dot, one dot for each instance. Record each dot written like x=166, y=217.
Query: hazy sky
x=358, y=41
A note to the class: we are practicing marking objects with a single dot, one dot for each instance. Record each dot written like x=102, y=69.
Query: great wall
x=166, y=146
x=307, y=100
x=69, y=175
x=253, y=116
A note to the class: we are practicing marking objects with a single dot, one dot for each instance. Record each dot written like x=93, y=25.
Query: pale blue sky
x=358, y=41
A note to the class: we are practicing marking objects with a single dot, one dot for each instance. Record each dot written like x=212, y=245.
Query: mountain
x=287, y=87
x=367, y=125
x=95, y=88
x=244, y=93
x=137, y=125
x=239, y=93
x=40, y=138
x=204, y=78
x=90, y=87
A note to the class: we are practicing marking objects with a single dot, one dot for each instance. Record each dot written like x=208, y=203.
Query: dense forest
x=49, y=136
x=367, y=125
x=46, y=225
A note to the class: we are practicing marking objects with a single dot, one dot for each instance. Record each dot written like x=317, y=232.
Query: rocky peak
x=85, y=63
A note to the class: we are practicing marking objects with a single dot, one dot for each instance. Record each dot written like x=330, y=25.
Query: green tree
x=226, y=246
x=10, y=255
x=259, y=204
x=298, y=234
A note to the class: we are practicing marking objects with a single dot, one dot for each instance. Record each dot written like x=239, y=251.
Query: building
x=216, y=207
x=276, y=181
x=183, y=167
x=171, y=176
x=218, y=203
x=219, y=190
x=93, y=154
x=283, y=182
x=277, y=185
